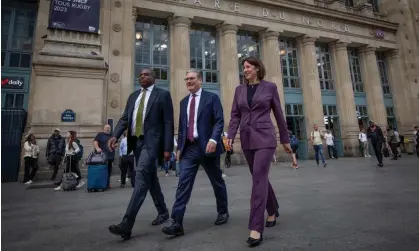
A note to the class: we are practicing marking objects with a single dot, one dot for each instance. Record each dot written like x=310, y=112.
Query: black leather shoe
x=176, y=229
x=272, y=223
x=255, y=242
x=120, y=230
x=160, y=219
x=222, y=219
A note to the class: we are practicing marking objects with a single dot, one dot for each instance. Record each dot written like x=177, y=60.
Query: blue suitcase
x=97, y=178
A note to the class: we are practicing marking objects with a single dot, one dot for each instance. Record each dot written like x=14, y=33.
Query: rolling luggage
x=69, y=181
x=97, y=172
x=97, y=178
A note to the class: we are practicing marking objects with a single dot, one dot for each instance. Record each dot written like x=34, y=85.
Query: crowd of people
x=147, y=124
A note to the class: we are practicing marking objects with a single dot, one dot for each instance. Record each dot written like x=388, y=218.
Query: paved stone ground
x=350, y=205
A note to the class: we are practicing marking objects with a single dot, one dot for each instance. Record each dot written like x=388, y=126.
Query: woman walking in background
x=252, y=105
x=31, y=152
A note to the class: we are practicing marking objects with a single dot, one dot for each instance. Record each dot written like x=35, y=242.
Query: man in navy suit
x=148, y=116
x=201, y=124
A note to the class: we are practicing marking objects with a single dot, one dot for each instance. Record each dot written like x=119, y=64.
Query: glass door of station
x=331, y=122
x=296, y=124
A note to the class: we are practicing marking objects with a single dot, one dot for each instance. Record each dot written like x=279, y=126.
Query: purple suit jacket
x=256, y=128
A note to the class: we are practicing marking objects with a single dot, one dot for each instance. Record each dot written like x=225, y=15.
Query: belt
x=195, y=140
x=141, y=137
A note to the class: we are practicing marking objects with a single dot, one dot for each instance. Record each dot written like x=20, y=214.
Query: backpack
x=79, y=155
x=294, y=140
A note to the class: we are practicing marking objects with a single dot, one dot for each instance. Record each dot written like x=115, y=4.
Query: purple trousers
x=263, y=195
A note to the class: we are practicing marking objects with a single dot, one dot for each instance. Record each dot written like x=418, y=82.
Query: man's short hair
x=198, y=73
x=153, y=74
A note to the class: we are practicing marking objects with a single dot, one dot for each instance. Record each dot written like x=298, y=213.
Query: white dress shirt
x=137, y=104
x=197, y=99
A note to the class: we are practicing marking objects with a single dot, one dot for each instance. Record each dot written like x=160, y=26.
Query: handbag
x=96, y=158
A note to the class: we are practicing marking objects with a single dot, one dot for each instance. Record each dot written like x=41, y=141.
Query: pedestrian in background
x=30, y=156
x=375, y=134
x=100, y=144
x=317, y=142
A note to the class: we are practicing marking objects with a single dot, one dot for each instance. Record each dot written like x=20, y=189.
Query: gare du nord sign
x=277, y=15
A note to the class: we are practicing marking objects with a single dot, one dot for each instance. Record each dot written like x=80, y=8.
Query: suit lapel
x=244, y=95
x=134, y=99
x=150, y=102
x=202, y=102
x=257, y=93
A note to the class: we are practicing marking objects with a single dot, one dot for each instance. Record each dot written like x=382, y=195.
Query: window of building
x=331, y=119
x=295, y=120
x=382, y=68
x=14, y=100
x=17, y=30
x=204, y=53
x=375, y=5
x=324, y=66
x=289, y=63
x=248, y=45
x=355, y=70
x=349, y=3
x=151, y=47
x=391, y=118
x=362, y=115
x=294, y=110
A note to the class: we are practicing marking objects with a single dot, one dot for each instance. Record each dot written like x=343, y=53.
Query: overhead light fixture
x=282, y=52
x=139, y=35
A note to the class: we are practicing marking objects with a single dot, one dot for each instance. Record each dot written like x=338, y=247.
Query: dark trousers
x=263, y=196
x=55, y=161
x=31, y=166
x=393, y=147
x=110, y=162
x=332, y=151
x=377, y=146
x=145, y=180
x=189, y=163
x=127, y=166
x=72, y=166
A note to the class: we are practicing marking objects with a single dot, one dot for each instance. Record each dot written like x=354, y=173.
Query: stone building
x=337, y=63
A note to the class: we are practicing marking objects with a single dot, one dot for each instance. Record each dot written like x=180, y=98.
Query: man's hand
x=287, y=148
x=166, y=156
x=230, y=142
x=211, y=147
x=178, y=155
x=111, y=144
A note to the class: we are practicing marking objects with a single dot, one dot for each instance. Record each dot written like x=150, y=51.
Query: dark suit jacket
x=256, y=128
x=210, y=121
x=158, y=122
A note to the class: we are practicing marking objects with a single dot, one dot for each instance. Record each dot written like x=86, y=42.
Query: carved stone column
x=406, y=113
x=229, y=69
x=373, y=89
x=272, y=61
x=313, y=105
x=179, y=61
x=345, y=99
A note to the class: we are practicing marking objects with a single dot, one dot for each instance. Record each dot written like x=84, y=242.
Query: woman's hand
x=287, y=148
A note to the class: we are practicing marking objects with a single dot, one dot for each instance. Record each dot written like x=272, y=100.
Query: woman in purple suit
x=252, y=106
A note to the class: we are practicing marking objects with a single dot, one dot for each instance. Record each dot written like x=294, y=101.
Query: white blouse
x=72, y=151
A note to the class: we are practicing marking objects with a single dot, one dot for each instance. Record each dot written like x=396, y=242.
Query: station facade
x=336, y=63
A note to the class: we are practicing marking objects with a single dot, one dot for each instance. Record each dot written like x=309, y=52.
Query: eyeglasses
x=190, y=79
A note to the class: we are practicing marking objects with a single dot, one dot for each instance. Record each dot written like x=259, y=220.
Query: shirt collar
x=150, y=88
x=198, y=93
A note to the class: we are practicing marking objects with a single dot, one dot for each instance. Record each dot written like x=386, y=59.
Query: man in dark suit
x=148, y=116
x=376, y=135
x=201, y=124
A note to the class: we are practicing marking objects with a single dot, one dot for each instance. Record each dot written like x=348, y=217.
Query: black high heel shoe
x=272, y=223
x=255, y=242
